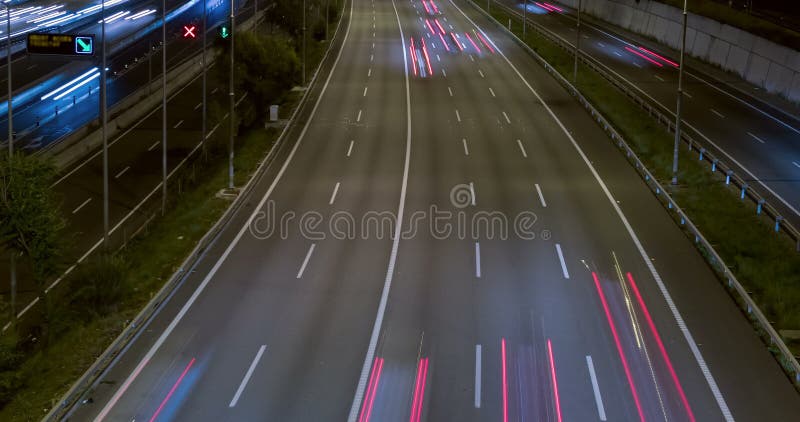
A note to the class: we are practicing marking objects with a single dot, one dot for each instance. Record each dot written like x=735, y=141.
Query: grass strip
x=764, y=262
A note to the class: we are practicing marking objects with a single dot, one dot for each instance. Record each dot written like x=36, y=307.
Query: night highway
x=533, y=276
x=755, y=136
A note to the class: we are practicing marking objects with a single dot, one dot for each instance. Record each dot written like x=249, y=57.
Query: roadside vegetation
x=48, y=350
x=765, y=262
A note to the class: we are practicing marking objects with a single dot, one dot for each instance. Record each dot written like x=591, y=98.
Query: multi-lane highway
x=312, y=305
x=757, y=138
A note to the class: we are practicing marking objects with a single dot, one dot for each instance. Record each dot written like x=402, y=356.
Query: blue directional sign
x=84, y=45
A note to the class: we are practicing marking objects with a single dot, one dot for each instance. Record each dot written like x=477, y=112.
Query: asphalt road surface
x=756, y=138
x=607, y=313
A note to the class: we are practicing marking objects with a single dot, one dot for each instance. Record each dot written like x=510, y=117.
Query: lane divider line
x=598, y=399
x=305, y=261
x=522, y=148
x=333, y=195
x=541, y=196
x=350, y=149
x=466, y=150
x=83, y=204
x=561, y=259
x=477, y=376
x=247, y=376
x=477, y=260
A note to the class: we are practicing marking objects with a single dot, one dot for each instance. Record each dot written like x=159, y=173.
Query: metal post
x=524, y=19
x=577, y=44
x=13, y=257
x=231, y=95
x=304, y=42
x=8, y=76
x=203, y=117
x=164, y=106
x=680, y=98
x=104, y=118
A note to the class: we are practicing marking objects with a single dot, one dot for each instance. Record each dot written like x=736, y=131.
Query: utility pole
x=304, y=42
x=104, y=118
x=231, y=96
x=164, y=106
x=680, y=98
x=203, y=118
x=577, y=45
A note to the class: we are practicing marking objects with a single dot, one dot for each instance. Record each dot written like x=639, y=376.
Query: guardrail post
x=728, y=177
x=744, y=190
x=778, y=223
x=702, y=151
x=760, y=206
x=714, y=165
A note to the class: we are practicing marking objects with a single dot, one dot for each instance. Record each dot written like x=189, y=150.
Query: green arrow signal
x=223, y=32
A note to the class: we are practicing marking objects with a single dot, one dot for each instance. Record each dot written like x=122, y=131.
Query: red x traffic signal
x=188, y=31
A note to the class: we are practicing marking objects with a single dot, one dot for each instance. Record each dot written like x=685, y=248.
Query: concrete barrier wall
x=757, y=60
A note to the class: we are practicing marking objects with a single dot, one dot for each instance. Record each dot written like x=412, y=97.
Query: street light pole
x=104, y=118
x=524, y=19
x=231, y=96
x=304, y=42
x=8, y=76
x=680, y=98
x=12, y=254
x=164, y=106
x=203, y=118
x=577, y=44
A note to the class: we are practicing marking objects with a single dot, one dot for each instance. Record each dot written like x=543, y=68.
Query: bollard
x=778, y=223
x=760, y=205
x=702, y=151
x=744, y=190
x=728, y=177
x=714, y=165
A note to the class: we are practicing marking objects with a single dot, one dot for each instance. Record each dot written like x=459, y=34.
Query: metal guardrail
x=666, y=118
x=87, y=380
x=777, y=345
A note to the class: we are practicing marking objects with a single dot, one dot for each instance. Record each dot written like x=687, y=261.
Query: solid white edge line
x=561, y=260
x=333, y=195
x=305, y=260
x=598, y=399
x=387, y=284
x=541, y=196
x=247, y=376
x=477, y=376
x=477, y=260
x=712, y=383
x=167, y=331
